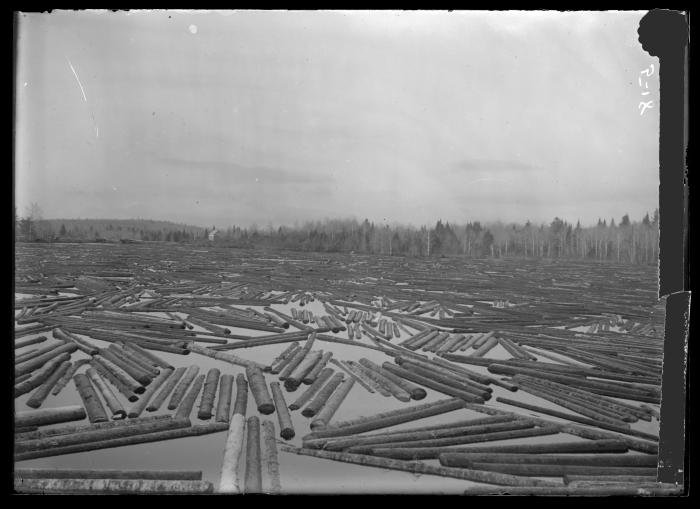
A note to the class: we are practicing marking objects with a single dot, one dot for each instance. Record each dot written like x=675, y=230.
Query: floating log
x=97, y=435
x=592, y=460
x=418, y=467
x=253, y=468
x=166, y=389
x=49, y=416
x=539, y=470
x=162, y=475
x=224, y=356
x=285, y=420
x=127, y=391
x=112, y=486
x=322, y=397
x=181, y=389
x=386, y=419
x=185, y=408
x=31, y=341
x=134, y=371
x=293, y=380
x=449, y=379
x=42, y=392
x=171, y=434
x=115, y=407
x=37, y=362
x=566, y=491
x=270, y=456
x=279, y=365
x=223, y=407
x=313, y=389
x=96, y=412
x=81, y=428
x=282, y=356
x=569, y=479
x=138, y=407
x=229, y=481
x=208, y=394
x=320, y=365
x=347, y=369
x=375, y=373
x=258, y=387
x=155, y=360
x=41, y=375
x=333, y=404
x=124, y=378
x=432, y=384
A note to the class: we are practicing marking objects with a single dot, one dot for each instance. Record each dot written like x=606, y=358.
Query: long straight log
x=91, y=401
x=333, y=404
x=224, y=356
x=96, y=435
x=206, y=405
x=181, y=389
x=258, y=387
x=571, y=479
x=374, y=372
x=223, y=407
x=285, y=420
x=166, y=389
x=566, y=491
x=581, y=447
x=591, y=460
x=536, y=470
x=361, y=444
x=41, y=393
x=253, y=467
x=293, y=380
x=115, y=407
x=81, y=428
x=37, y=362
x=49, y=416
x=312, y=390
x=417, y=467
x=317, y=368
x=270, y=456
x=31, y=341
x=386, y=419
x=449, y=379
x=124, y=378
x=33, y=354
x=414, y=451
x=283, y=361
x=134, y=371
x=113, y=486
x=162, y=475
x=41, y=375
x=137, y=408
x=322, y=397
x=432, y=384
x=185, y=408
x=136, y=360
x=345, y=442
x=186, y=431
x=145, y=354
x=127, y=390
x=229, y=481
x=283, y=355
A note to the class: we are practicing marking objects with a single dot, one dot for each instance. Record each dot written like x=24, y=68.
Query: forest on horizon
x=625, y=241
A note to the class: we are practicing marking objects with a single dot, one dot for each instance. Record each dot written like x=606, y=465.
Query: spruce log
x=49, y=416
x=91, y=401
x=166, y=389
x=138, y=407
x=322, y=397
x=223, y=407
x=270, y=456
x=285, y=420
x=258, y=387
x=209, y=394
x=112, y=486
x=181, y=389
x=185, y=408
x=115, y=407
x=333, y=404
x=313, y=389
x=41, y=393
x=253, y=467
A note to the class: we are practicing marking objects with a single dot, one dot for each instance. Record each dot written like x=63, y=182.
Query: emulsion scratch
x=77, y=79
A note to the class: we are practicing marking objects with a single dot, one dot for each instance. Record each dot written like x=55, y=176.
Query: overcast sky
x=275, y=117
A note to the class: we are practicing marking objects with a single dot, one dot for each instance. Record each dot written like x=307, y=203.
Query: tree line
x=626, y=241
